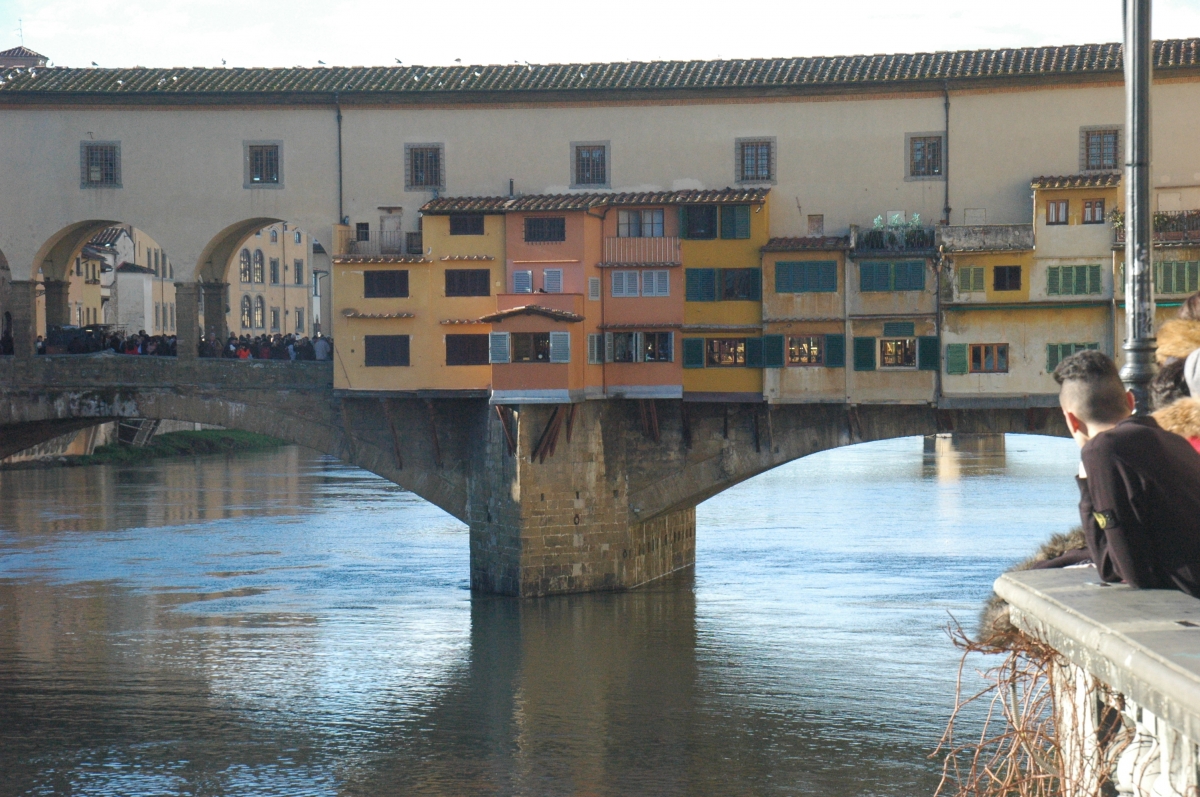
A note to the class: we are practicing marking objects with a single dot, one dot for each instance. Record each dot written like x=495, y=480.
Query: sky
x=121, y=33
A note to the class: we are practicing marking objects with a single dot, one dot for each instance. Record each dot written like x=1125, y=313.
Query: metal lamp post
x=1140, y=344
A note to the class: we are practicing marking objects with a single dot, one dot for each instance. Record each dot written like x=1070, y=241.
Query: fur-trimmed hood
x=995, y=628
x=1177, y=338
x=1182, y=417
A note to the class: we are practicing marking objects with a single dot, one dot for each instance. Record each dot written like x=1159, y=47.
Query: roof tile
x=1099, y=180
x=586, y=201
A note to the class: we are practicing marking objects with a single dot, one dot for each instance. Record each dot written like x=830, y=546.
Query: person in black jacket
x=1139, y=484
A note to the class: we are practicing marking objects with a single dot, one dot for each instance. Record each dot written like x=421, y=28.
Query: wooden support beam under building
x=505, y=414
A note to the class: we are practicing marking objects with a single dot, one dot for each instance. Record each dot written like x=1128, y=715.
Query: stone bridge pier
x=599, y=495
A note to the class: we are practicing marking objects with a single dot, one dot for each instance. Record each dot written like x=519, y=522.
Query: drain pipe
x=946, y=155
x=337, y=99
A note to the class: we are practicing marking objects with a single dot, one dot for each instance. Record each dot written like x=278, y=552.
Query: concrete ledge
x=1144, y=644
x=984, y=401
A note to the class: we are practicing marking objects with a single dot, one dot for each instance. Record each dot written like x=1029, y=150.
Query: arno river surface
x=282, y=624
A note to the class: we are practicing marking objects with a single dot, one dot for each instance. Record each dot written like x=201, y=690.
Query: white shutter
x=618, y=283
x=595, y=348
x=560, y=347
x=656, y=283
x=631, y=283
x=522, y=282
x=608, y=347
x=552, y=280
x=639, y=347
x=624, y=283
x=594, y=289
x=498, y=347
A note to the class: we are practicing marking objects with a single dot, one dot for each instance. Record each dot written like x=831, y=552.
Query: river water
x=282, y=624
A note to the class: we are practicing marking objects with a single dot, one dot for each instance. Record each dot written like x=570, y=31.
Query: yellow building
x=409, y=324
x=722, y=327
x=270, y=283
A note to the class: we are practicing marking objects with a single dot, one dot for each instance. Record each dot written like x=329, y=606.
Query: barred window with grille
x=590, y=168
x=755, y=160
x=100, y=164
x=263, y=164
x=1101, y=149
x=423, y=167
x=925, y=156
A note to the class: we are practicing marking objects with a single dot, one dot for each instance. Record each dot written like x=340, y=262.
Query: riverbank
x=171, y=444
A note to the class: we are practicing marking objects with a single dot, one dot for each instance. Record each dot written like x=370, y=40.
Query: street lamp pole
x=1140, y=344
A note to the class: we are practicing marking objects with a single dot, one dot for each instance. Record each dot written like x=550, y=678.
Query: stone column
x=214, y=309
x=23, y=295
x=187, y=320
x=58, y=310
x=565, y=524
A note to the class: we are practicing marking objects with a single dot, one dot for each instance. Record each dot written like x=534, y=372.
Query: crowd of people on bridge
x=245, y=347
x=268, y=347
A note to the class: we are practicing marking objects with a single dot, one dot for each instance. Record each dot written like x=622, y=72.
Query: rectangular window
x=624, y=284
x=386, y=350
x=466, y=224
x=925, y=156
x=741, y=284
x=522, y=282
x=274, y=271
x=1093, y=211
x=100, y=164
x=989, y=358
x=1177, y=276
x=1006, y=278
x=903, y=276
x=362, y=231
x=591, y=165
x=656, y=283
x=298, y=272
x=468, y=282
x=735, y=221
x=423, y=166
x=805, y=350
x=1101, y=149
x=698, y=222
x=552, y=280
x=530, y=347
x=657, y=347
x=725, y=352
x=970, y=279
x=548, y=229
x=263, y=164
x=274, y=319
x=1057, y=352
x=467, y=349
x=755, y=160
x=1056, y=212
x=639, y=224
x=299, y=311
x=806, y=277
x=622, y=347
x=898, y=353
x=1073, y=280
x=385, y=284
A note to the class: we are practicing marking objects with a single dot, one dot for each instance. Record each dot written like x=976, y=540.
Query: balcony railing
x=383, y=242
x=641, y=250
x=900, y=239
x=1169, y=226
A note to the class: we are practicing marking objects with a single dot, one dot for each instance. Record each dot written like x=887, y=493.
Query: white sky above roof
x=121, y=33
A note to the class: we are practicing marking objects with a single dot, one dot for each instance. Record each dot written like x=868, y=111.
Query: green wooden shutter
x=1193, y=276
x=956, y=358
x=864, y=354
x=785, y=277
x=772, y=351
x=693, y=352
x=899, y=329
x=827, y=277
x=1070, y=281
x=700, y=284
x=928, y=349
x=1054, y=281
x=1093, y=279
x=866, y=277
x=964, y=280
x=728, y=222
x=900, y=277
x=835, y=351
x=741, y=221
x=683, y=221
x=691, y=281
x=754, y=352
x=1053, y=357
x=916, y=275
x=756, y=284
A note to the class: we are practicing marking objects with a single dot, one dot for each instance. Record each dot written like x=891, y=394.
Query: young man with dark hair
x=1139, y=485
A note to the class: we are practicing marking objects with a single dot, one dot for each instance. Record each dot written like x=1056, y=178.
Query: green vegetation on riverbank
x=171, y=444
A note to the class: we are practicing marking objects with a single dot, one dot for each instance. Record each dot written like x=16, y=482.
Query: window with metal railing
x=590, y=167
x=925, y=156
x=1101, y=149
x=100, y=164
x=755, y=160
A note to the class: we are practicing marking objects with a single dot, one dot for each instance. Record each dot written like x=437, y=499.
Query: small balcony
x=384, y=242
x=641, y=251
x=899, y=239
x=1170, y=226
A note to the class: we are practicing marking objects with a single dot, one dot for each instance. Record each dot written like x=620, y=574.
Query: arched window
x=244, y=266
x=259, y=275
x=299, y=238
x=247, y=318
x=260, y=312
x=274, y=236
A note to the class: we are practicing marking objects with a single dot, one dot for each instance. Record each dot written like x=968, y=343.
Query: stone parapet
x=1143, y=645
x=986, y=238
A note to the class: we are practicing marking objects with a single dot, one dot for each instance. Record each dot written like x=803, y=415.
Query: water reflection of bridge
x=611, y=507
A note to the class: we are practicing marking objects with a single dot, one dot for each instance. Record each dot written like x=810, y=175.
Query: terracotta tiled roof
x=20, y=52
x=532, y=309
x=1102, y=180
x=816, y=242
x=467, y=258
x=343, y=260
x=896, y=69
x=351, y=313
x=584, y=201
x=109, y=235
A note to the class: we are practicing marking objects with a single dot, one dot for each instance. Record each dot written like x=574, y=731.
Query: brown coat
x=1177, y=339
x=1182, y=417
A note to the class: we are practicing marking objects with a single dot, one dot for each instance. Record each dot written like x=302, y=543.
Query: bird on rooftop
x=222, y=62
x=399, y=61
x=322, y=63
x=95, y=64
